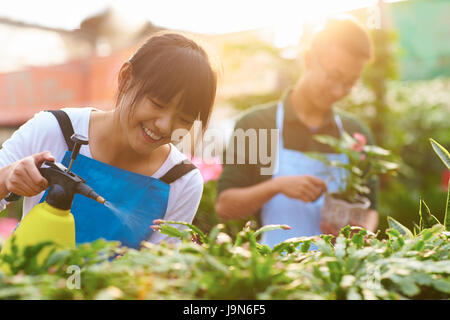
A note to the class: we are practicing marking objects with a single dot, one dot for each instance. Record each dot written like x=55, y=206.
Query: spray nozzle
x=88, y=192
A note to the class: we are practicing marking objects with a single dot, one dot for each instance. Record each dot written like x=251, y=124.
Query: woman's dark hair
x=168, y=64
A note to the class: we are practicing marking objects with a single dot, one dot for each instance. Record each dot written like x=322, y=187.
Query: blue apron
x=302, y=217
x=136, y=201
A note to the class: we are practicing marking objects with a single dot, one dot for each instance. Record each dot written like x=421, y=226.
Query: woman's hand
x=23, y=177
x=304, y=187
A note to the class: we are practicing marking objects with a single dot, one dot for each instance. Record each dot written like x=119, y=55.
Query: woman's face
x=152, y=122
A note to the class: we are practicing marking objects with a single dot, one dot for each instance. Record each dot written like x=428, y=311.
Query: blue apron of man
x=303, y=218
x=134, y=200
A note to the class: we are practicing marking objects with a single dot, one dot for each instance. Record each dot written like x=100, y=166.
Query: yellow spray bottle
x=52, y=220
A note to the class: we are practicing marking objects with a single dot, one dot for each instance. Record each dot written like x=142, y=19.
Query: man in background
x=293, y=193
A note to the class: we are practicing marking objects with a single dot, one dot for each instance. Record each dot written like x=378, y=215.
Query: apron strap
x=66, y=126
x=177, y=171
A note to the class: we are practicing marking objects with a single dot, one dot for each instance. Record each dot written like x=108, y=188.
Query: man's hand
x=369, y=223
x=304, y=187
x=240, y=203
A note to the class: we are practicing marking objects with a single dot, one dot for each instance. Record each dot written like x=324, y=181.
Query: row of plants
x=354, y=265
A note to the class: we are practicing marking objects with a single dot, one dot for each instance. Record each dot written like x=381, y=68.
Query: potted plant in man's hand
x=349, y=202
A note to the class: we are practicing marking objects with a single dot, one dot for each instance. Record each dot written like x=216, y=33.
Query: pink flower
x=360, y=138
x=360, y=142
x=209, y=168
x=445, y=179
x=7, y=226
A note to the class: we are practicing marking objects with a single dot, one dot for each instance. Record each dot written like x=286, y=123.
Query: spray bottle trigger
x=55, y=165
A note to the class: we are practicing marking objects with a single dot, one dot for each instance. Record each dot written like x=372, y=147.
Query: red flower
x=445, y=179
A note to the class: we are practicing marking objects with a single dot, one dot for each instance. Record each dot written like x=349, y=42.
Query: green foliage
x=399, y=228
x=376, y=76
x=13, y=210
x=26, y=260
x=427, y=220
x=401, y=115
x=355, y=265
x=447, y=210
x=444, y=155
x=415, y=112
x=207, y=218
x=364, y=162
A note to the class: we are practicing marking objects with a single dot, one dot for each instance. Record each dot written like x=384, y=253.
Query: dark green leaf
x=443, y=154
x=394, y=224
x=427, y=219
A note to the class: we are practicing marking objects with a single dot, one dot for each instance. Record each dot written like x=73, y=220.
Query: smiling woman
x=166, y=85
x=130, y=160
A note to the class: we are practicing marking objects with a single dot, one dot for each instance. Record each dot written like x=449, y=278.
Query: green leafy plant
x=444, y=155
x=356, y=265
x=414, y=111
x=364, y=162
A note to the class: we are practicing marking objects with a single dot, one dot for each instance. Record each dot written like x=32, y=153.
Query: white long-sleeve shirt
x=42, y=133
